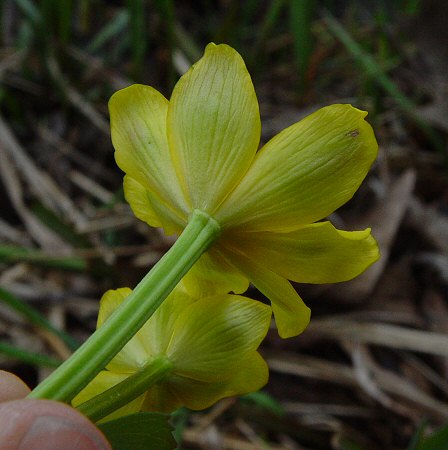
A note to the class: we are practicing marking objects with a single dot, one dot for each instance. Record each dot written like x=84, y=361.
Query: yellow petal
x=317, y=253
x=213, y=126
x=151, y=209
x=138, y=127
x=160, y=398
x=102, y=382
x=133, y=355
x=213, y=274
x=304, y=173
x=291, y=314
x=156, y=334
x=251, y=375
x=193, y=394
x=214, y=334
x=109, y=302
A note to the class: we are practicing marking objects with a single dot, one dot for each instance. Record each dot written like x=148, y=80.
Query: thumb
x=45, y=424
x=30, y=424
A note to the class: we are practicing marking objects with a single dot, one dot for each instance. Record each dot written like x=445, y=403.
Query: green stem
x=129, y=389
x=76, y=372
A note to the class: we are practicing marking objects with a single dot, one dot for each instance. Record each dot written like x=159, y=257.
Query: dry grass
x=372, y=366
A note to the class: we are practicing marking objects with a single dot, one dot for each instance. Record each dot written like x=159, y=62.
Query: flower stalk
x=76, y=372
x=129, y=389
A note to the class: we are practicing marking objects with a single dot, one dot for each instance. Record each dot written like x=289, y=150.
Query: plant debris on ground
x=370, y=372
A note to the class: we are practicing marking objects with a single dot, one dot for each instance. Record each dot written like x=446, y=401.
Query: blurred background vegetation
x=370, y=372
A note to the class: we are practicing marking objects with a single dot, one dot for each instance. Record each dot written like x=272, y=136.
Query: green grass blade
x=412, y=7
x=28, y=357
x=270, y=19
x=438, y=440
x=64, y=18
x=187, y=44
x=166, y=11
x=229, y=29
x=301, y=14
x=373, y=70
x=35, y=317
x=137, y=33
x=11, y=254
x=56, y=224
x=265, y=401
x=30, y=10
x=112, y=29
x=418, y=436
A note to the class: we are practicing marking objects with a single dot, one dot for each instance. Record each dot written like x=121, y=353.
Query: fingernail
x=57, y=433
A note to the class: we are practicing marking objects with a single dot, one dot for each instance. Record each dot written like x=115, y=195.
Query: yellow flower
x=212, y=356
x=198, y=151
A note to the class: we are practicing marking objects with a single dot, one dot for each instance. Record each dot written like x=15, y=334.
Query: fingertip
x=11, y=387
x=33, y=424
